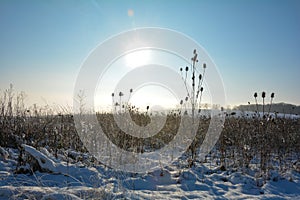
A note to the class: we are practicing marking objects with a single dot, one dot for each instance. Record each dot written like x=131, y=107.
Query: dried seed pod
x=204, y=65
x=186, y=98
x=147, y=108
x=131, y=90
x=181, y=69
x=272, y=95
x=121, y=94
x=200, y=76
x=201, y=89
x=181, y=102
x=186, y=68
x=263, y=94
x=112, y=94
x=255, y=94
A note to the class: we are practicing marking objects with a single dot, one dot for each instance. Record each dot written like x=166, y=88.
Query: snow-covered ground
x=85, y=180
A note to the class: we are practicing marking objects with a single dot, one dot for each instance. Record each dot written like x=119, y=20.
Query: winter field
x=42, y=157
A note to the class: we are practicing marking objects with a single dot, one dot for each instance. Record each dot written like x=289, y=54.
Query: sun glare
x=138, y=58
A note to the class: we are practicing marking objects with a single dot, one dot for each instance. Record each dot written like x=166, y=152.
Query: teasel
x=112, y=96
x=271, y=101
x=186, y=72
x=181, y=102
x=255, y=97
x=263, y=95
x=130, y=92
x=120, y=101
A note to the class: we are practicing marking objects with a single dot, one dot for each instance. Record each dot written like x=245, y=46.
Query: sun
x=138, y=58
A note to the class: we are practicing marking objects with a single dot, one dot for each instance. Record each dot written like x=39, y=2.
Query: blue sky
x=255, y=44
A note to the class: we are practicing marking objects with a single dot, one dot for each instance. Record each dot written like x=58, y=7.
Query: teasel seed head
x=181, y=102
x=131, y=90
x=186, y=98
x=263, y=95
x=147, y=108
x=112, y=94
x=255, y=94
x=272, y=95
x=204, y=65
x=201, y=89
x=181, y=69
x=200, y=76
x=186, y=68
x=121, y=94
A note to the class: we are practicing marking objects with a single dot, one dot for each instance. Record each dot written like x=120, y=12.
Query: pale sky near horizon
x=255, y=44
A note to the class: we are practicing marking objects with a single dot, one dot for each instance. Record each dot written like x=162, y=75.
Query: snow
x=62, y=180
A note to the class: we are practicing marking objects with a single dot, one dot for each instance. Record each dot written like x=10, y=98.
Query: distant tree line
x=278, y=107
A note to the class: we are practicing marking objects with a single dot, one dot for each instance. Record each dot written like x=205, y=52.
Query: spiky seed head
x=131, y=90
x=186, y=98
x=181, y=69
x=181, y=102
x=272, y=95
x=186, y=68
x=147, y=108
x=201, y=89
x=263, y=94
x=112, y=94
x=200, y=76
x=194, y=51
x=204, y=65
x=121, y=94
x=255, y=94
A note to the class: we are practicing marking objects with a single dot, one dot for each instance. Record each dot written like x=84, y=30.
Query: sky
x=254, y=44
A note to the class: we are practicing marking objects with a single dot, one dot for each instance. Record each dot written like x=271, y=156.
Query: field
x=43, y=157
